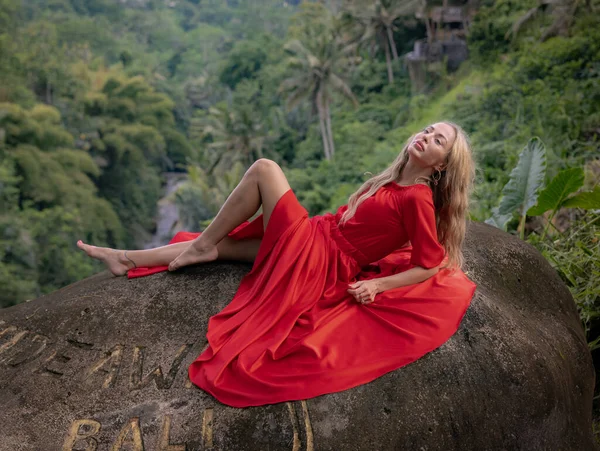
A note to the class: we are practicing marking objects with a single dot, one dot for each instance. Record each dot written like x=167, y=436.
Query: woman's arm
x=418, y=214
x=365, y=290
x=408, y=277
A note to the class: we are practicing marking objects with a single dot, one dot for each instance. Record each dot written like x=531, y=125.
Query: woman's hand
x=364, y=291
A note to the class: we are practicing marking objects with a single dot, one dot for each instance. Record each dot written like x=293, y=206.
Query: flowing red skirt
x=293, y=332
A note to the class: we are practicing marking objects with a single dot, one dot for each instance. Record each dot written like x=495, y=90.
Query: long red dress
x=292, y=331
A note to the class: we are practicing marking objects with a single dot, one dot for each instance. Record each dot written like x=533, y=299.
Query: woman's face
x=431, y=145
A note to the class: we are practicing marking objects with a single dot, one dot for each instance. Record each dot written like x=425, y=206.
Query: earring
x=436, y=180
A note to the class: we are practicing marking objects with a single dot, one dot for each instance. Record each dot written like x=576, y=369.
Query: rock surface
x=101, y=365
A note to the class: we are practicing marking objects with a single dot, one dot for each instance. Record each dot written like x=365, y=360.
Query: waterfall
x=168, y=213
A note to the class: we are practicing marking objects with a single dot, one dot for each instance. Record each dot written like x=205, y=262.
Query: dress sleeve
x=418, y=214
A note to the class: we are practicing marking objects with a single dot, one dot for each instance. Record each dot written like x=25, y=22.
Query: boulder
x=102, y=365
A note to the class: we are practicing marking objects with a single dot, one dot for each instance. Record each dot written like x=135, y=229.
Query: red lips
x=419, y=145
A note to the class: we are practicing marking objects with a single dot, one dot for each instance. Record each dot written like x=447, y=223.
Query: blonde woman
x=336, y=300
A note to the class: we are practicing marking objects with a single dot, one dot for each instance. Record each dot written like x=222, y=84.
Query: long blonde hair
x=450, y=195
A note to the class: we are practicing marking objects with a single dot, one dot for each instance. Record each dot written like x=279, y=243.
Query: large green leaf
x=553, y=196
x=588, y=200
x=520, y=193
x=525, y=179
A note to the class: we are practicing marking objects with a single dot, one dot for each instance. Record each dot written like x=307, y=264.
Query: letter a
x=134, y=426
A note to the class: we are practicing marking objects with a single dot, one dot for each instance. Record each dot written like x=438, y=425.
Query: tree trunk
x=388, y=63
x=48, y=92
x=429, y=31
x=329, y=132
x=323, y=131
x=212, y=167
x=390, y=36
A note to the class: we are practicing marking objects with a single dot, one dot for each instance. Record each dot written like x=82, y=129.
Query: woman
x=294, y=328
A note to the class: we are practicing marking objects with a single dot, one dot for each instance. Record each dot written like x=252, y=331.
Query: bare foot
x=196, y=252
x=114, y=259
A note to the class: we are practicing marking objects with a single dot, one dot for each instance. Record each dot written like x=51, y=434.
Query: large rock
x=101, y=365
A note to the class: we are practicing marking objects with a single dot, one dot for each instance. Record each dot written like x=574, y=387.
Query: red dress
x=292, y=331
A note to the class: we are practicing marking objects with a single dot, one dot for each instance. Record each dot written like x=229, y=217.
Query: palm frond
x=404, y=8
x=297, y=96
x=514, y=30
x=341, y=86
x=296, y=47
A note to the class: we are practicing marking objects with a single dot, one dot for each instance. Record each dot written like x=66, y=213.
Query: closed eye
x=426, y=130
x=437, y=141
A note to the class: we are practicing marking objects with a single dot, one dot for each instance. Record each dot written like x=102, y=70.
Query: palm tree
x=236, y=134
x=318, y=74
x=376, y=21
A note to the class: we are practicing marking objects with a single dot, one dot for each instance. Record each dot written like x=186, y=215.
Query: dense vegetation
x=98, y=99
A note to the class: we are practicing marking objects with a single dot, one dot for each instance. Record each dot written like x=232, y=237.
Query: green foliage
x=133, y=134
x=372, y=25
x=521, y=191
x=575, y=254
x=560, y=60
x=48, y=201
x=557, y=191
x=178, y=148
x=587, y=200
x=244, y=63
x=231, y=135
x=487, y=37
x=39, y=127
x=318, y=62
x=18, y=272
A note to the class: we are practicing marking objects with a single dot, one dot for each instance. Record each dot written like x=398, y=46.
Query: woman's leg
x=120, y=261
x=263, y=183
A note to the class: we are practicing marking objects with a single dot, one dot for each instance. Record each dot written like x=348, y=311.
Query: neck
x=411, y=171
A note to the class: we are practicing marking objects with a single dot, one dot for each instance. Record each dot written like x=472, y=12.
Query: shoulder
x=417, y=197
x=413, y=200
